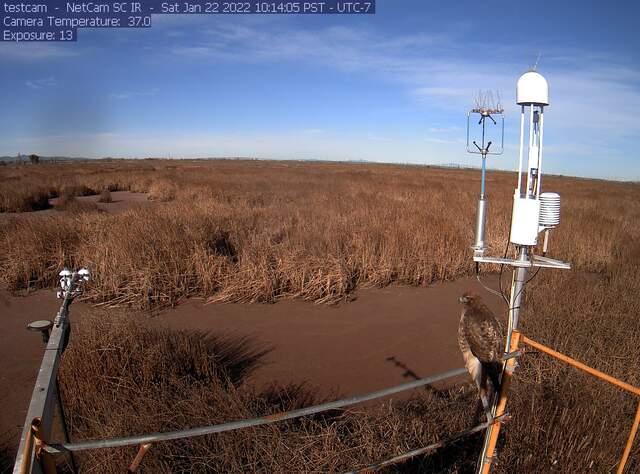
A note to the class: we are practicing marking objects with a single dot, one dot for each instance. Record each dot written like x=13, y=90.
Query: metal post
x=65, y=430
x=481, y=215
x=531, y=142
x=138, y=459
x=632, y=437
x=541, y=133
x=515, y=299
x=519, y=193
x=484, y=175
x=25, y=467
x=480, y=222
x=491, y=436
x=44, y=461
x=493, y=431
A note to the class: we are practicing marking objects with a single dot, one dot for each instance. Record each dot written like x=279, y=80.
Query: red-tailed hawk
x=480, y=340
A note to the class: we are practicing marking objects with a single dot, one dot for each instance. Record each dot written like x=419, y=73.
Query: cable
x=524, y=286
x=490, y=290
x=533, y=276
x=504, y=297
x=499, y=293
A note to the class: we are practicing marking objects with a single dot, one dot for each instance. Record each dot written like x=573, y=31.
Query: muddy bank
x=121, y=201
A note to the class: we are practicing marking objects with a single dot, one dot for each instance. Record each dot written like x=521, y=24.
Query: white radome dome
x=532, y=88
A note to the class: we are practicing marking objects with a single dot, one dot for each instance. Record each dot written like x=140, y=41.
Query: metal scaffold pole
x=487, y=454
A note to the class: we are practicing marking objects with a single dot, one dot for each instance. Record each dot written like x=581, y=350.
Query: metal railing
x=40, y=413
x=602, y=376
x=36, y=448
x=240, y=424
x=517, y=338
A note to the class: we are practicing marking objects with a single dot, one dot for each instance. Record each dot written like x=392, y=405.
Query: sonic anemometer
x=490, y=115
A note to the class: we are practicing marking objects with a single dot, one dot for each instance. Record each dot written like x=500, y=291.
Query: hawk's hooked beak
x=463, y=299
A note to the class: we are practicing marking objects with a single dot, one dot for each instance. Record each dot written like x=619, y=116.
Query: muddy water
x=385, y=337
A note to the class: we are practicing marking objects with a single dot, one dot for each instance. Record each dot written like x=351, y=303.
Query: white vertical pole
x=529, y=149
x=540, y=132
x=521, y=148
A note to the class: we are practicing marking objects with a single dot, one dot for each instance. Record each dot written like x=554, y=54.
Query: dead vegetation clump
x=163, y=191
x=70, y=203
x=105, y=196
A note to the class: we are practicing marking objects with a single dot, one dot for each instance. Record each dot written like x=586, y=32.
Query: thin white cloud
x=442, y=140
x=451, y=129
x=41, y=83
x=437, y=71
x=37, y=51
x=377, y=138
x=132, y=94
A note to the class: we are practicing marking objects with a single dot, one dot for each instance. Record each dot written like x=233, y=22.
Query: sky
x=391, y=87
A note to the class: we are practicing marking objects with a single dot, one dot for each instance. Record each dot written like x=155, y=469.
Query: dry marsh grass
x=260, y=231
x=314, y=232
x=311, y=231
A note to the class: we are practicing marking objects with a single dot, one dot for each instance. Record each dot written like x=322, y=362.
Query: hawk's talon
x=512, y=355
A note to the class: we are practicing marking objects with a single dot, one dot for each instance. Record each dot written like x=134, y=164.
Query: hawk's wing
x=484, y=336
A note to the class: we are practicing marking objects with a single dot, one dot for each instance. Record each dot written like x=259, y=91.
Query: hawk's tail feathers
x=493, y=387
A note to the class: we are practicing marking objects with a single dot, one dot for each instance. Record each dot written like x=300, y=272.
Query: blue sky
x=391, y=87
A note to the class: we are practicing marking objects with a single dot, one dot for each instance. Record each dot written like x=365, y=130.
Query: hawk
x=480, y=340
